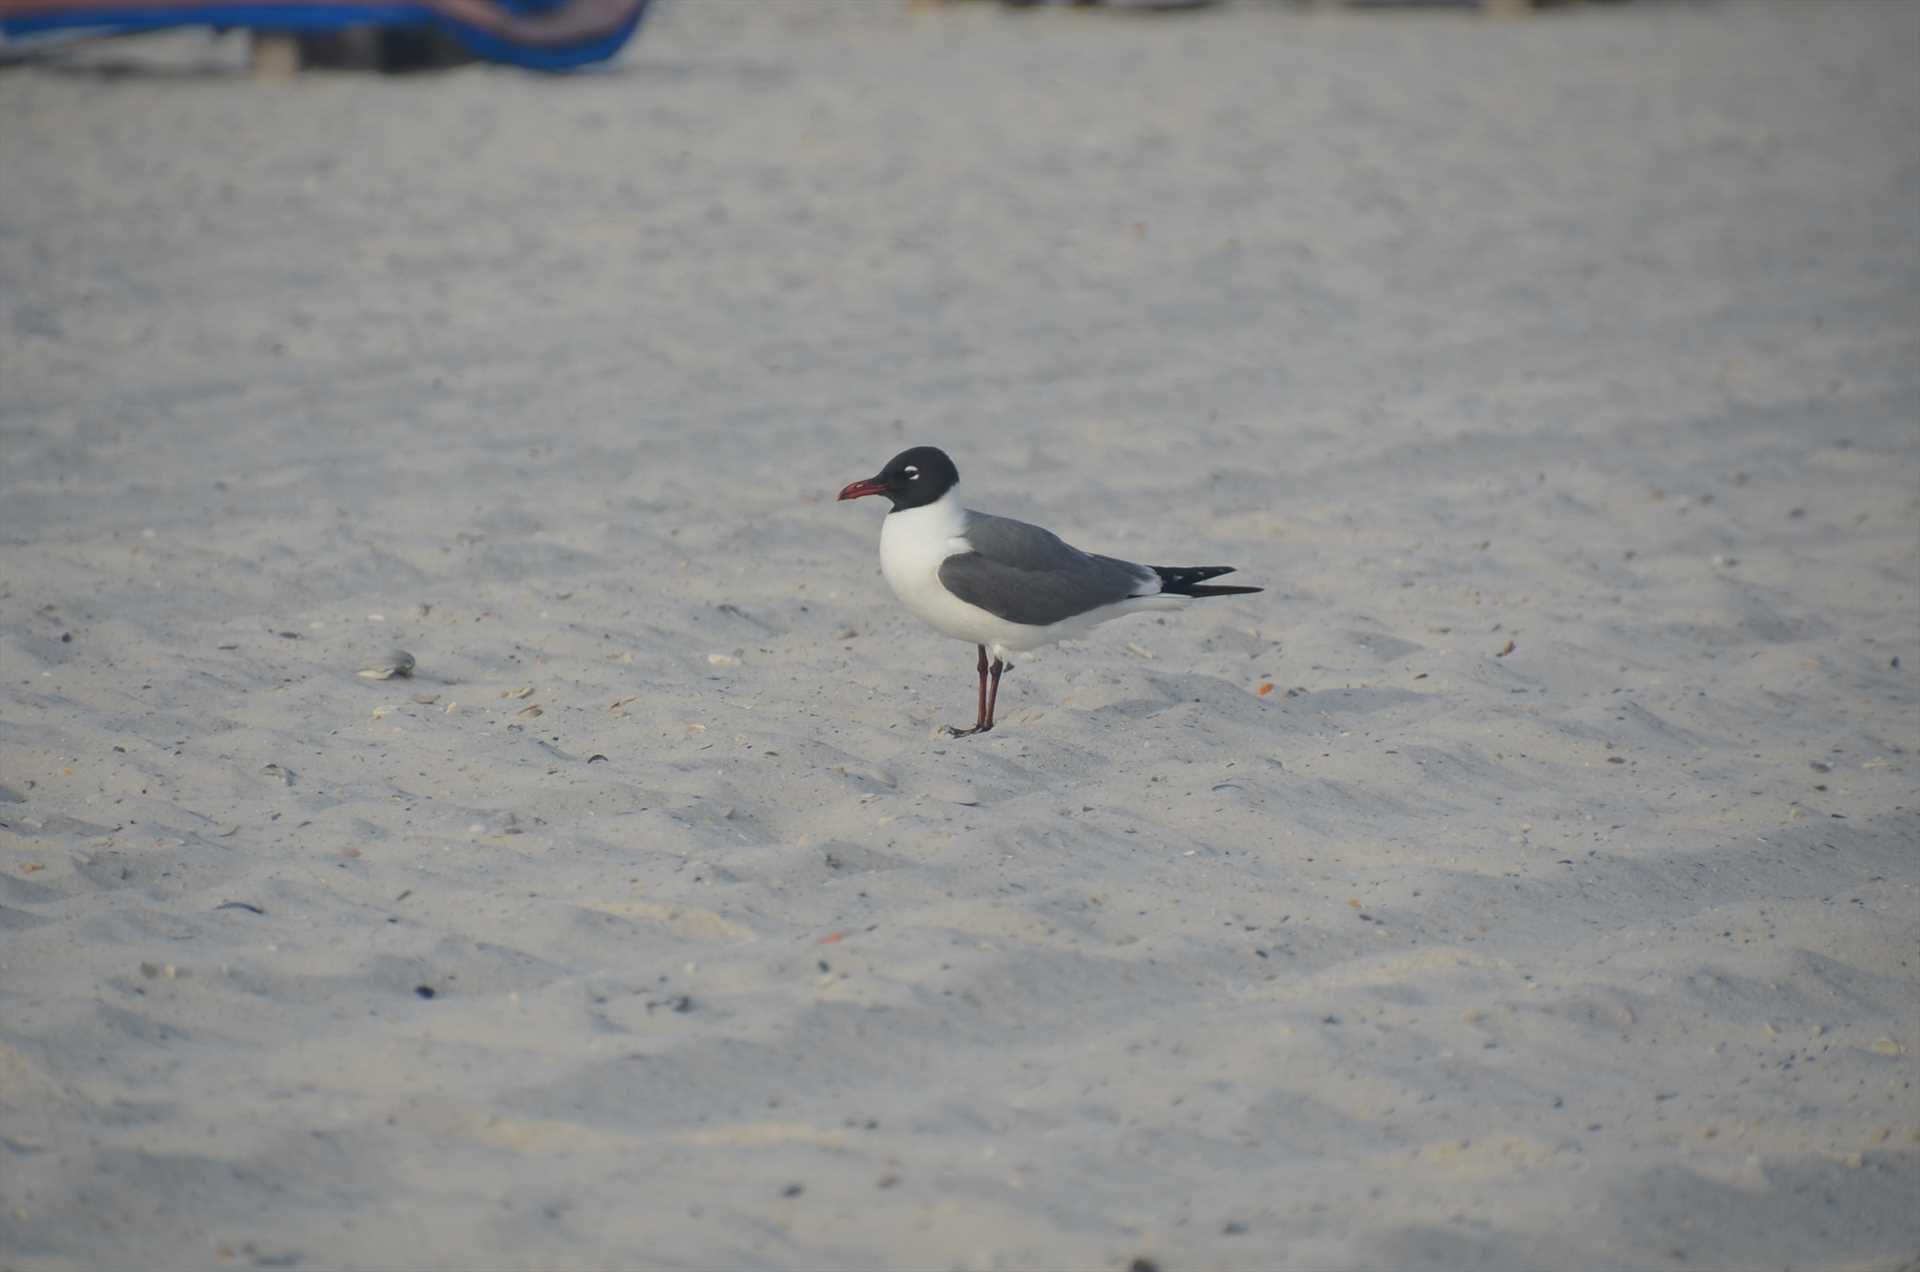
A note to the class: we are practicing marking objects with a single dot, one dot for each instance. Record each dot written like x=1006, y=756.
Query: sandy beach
x=1528, y=879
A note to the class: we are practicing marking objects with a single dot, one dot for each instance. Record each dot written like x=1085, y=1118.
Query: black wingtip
x=1220, y=591
x=1186, y=580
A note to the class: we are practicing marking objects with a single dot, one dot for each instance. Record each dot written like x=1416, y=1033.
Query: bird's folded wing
x=1025, y=574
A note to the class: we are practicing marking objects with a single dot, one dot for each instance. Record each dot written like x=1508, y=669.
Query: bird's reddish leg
x=984, y=720
x=994, y=697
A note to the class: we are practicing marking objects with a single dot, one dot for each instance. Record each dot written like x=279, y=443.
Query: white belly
x=913, y=543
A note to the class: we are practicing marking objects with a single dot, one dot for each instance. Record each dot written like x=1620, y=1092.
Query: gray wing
x=1028, y=575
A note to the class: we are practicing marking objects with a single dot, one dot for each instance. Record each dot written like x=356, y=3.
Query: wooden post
x=275, y=55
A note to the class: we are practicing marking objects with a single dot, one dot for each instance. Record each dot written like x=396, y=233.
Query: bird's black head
x=911, y=479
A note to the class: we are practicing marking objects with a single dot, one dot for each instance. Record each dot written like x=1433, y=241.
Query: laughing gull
x=1001, y=584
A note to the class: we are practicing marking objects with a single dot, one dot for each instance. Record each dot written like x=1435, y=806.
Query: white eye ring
x=911, y=471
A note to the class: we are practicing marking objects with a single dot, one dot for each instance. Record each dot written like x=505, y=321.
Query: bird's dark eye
x=911, y=471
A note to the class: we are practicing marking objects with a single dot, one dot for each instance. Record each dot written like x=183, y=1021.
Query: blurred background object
x=287, y=36
x=549, y=35
x=1500, y=7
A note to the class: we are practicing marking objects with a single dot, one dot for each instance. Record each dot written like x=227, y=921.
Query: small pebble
x=395, y=662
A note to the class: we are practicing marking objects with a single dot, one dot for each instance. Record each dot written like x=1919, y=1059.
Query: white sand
x=1597, y=333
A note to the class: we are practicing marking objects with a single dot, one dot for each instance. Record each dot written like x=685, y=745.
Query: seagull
x=1003, y=585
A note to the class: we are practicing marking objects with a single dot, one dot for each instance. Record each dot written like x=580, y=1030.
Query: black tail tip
x=1186, y=580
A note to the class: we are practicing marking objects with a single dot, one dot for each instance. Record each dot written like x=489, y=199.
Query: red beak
x=871, y=486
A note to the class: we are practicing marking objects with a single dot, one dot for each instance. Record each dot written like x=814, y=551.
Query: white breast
x=913, y=543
